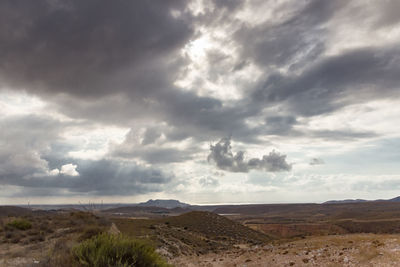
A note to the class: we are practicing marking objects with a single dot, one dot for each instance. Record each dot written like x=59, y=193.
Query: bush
x=20, y=224
x=109, y=250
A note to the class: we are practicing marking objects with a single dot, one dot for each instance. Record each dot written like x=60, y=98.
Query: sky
x=205, y=101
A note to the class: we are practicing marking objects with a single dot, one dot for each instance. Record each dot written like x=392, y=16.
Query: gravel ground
x=341, y=250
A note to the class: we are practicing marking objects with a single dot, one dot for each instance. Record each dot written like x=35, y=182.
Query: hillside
x=191, y=233
x=215, y=226
x=13, y=211
x=312, y=212
x=299, y=220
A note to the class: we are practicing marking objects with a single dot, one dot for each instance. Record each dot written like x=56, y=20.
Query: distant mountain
x=396, y=199
x=164, y=203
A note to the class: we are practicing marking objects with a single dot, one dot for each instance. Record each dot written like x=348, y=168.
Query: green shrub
x=109, y=250
x=20, y=224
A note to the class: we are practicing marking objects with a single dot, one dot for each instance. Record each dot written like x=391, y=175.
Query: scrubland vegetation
x=110, y=250
x=280, y=235
x=71, y=239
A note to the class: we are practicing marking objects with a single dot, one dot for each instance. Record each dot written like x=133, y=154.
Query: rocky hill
x=164, y=203
x=192, y=233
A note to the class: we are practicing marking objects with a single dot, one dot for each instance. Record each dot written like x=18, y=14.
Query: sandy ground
x=340, y=250
x=15, y=255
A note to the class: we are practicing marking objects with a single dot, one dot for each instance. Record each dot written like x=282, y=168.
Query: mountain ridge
x=395, y=199
x=164, y=203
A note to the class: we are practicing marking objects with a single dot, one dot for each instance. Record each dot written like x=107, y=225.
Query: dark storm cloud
x=23, y=139
x=314, y=83
x=224, y=159
x=153, y=154
x=32, y=147
x=151, y=135
x=228, y=4
x=206, y=118
x=299, y=37
x=89, y=48
x=340, y=134
x=29, y=130
x=336, y=81
x=280, y=125
x=102, y=177
x=125, y=54
x=285, y=126
x=121, y=57
x=388, y=13
x=106, y=177
x=115, y=63
x=147, y=146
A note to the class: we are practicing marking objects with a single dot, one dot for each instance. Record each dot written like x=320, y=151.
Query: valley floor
x=335, y=250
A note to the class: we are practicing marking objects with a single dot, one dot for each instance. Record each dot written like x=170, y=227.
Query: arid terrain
x=343, y=234
x=332, y=250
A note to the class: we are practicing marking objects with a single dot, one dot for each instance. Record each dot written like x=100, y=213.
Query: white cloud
x=69, y=169
x=54, y=172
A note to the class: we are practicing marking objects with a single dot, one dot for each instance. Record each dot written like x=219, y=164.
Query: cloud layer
x=123, y=98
